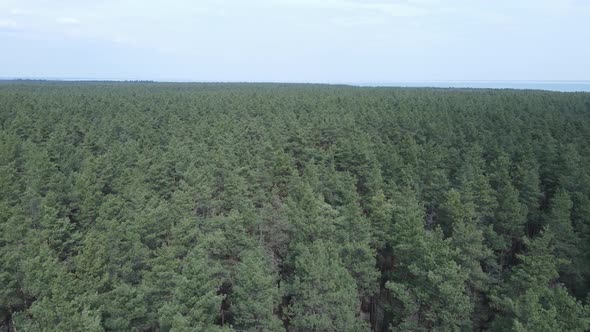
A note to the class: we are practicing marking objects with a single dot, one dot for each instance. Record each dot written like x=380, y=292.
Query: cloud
x=357, y=21
x=10, y=24
x=68, y=20
x=400, y=37
x=390, y=8
x=19, y=12
x=394, y=9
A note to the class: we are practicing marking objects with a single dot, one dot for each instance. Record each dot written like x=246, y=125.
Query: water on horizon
x=562, y=86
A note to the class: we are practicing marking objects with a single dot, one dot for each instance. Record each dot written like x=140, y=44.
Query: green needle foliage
x=291, y=207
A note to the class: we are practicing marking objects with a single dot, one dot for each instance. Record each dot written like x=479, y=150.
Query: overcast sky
x=296, y=40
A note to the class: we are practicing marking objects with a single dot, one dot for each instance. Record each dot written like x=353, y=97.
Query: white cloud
x=357, y=21
x=19, y=12
x=11, y=24
x=391, y=8
x=400, y=37
x=67, y=20
x=395, y=9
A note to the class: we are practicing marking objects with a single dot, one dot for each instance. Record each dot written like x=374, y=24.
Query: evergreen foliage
x=286, y=207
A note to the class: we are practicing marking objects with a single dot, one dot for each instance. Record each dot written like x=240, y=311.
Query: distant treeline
x=292, y=207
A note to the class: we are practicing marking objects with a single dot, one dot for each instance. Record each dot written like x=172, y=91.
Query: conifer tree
x=255, y=294
x=531, y=299
x=428, y=287
x=196, y=301
x=323, y=294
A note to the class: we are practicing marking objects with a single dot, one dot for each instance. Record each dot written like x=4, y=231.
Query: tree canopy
x=291, y=207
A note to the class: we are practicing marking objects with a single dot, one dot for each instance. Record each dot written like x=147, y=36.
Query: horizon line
x=172, y=80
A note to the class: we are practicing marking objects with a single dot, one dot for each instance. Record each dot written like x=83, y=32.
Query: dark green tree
x=323, y=294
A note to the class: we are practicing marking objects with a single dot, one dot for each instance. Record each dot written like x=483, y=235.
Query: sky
x=331, y=41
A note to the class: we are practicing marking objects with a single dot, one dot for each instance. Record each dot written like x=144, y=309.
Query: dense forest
x=285, y=207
